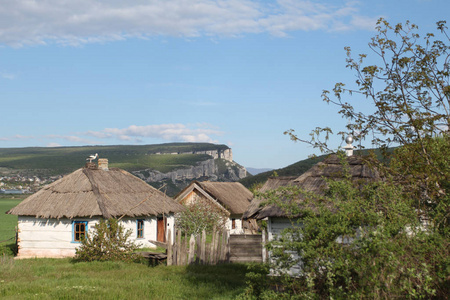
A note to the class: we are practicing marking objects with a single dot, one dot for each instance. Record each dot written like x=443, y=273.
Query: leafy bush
x=363, y=241
x=387, y=239
x=201, y=215
x=108, y=242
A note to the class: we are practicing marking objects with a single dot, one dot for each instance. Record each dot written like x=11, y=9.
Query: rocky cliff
x=214, y=169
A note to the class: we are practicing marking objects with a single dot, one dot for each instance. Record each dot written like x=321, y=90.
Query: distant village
x=19, y=184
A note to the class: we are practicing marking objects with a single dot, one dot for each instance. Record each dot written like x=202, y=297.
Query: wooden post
x=203, y=248
x=169, y=248
x=191, y=249
x=228, y=247
x=183, y=252
x=197, y=249
x=216, y=247
x=263, y=244
x=211, y=252
x=223, y=255
x=179, y=248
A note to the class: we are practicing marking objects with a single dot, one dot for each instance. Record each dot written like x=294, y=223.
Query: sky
x=234, y=72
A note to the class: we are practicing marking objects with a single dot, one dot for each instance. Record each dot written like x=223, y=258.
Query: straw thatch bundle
x=313, y=181
x=105, y=193
x=233, y=196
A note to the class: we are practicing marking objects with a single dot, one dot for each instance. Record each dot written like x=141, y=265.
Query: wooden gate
x=224, y=248
x=246, y=248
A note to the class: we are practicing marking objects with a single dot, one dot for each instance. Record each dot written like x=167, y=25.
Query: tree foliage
x=359, y=242
x=386, y=239
x=409, y=97
x=201, y=215
x=108, y=242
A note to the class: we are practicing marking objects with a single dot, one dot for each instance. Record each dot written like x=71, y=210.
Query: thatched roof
x=313, y=181
x=272, y=183
x=233, y=196
x=88, y=193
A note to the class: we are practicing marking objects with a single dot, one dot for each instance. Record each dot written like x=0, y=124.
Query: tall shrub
x=201, y=215
x=107, y=242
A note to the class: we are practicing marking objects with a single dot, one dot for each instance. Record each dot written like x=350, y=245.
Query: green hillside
x=297, y=168
x=62, y=160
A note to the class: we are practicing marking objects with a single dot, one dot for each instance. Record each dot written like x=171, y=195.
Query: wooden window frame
x=233, y=223
x=140, y=228
x=77, y=231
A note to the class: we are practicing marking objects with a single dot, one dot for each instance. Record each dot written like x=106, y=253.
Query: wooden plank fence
x=195, y=250
x=224, y=248
x=246, y=248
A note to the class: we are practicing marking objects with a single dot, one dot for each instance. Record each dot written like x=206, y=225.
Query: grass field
x=8, y=223
x=63, y=279
x=63, y=160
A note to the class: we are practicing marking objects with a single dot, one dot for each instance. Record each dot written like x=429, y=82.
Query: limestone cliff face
x=212, y=169
x=208, y=168
x=220, y=167
x=226, y=154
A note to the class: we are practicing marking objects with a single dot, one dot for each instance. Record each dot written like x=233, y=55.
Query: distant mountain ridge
x=256, y=171
x=172, y=164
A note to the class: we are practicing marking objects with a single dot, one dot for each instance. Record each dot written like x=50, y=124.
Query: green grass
x=8, y=223
x=62, y=160
x=63, y=279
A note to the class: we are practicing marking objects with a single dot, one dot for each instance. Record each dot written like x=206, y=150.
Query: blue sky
x=102, y=72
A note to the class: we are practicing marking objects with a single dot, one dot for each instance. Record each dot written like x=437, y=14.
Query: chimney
x=349, y=147
x=103, y=164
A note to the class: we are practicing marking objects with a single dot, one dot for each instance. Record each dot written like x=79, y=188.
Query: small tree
x=108, y=241
x=408, y=99
x=397, y=231
x=201, y=215
x=358, y=241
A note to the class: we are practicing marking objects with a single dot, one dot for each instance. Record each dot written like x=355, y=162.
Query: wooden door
x=161, y=229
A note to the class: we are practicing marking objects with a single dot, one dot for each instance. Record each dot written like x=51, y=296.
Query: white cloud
x=199, y=133
x=8, y=76
x=16, y=137
x=168, y=132
x=75, y=22
x=53, y=145
x=71, y=138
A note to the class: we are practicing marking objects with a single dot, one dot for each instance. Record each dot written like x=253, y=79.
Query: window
x=79, y=230
x=233, y=223
x=140, y=229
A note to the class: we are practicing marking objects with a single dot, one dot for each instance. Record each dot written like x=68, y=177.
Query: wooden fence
x=246, y=248
x=223, y=248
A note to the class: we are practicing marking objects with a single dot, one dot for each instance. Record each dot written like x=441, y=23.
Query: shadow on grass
x=8, y=249
x=228, y=280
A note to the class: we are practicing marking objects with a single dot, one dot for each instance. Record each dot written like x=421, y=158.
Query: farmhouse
x=232, y=197
x=52, y=222
x=313, y=180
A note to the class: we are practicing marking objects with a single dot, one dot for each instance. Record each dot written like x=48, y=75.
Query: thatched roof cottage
x=232, y=197
x=313, y=180
x=52, y=221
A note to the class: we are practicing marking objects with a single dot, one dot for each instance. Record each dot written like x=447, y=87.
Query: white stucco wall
x=274, y=228
x=238, y=225
x=54, y=238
